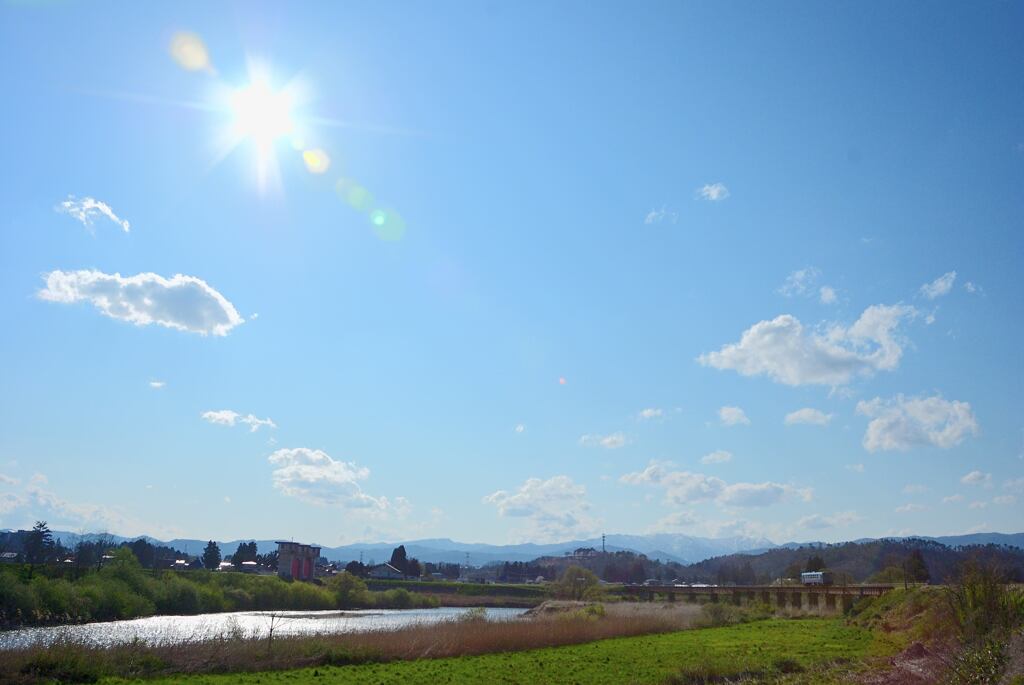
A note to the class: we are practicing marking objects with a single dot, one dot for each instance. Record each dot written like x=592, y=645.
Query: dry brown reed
x=72, y=662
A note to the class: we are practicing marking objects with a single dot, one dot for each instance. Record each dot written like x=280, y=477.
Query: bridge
x=827, y=597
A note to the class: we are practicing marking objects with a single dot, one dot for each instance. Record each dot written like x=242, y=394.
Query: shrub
x=61, y=664
x=17, y=601
x=982, y=603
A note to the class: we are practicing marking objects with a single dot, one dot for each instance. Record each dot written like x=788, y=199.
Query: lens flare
x=188, y=50
x=354, y=194
x=317, y=161
x=387, y=224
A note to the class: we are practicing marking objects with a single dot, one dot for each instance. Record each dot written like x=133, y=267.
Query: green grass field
x=746, y=647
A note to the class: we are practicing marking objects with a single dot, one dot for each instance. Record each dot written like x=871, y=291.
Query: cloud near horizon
x=553, y=508
x=87, y=209
x=313, y=476
x=685, y=487
x=834, y=355
x=35, y=502
x=184, y=303
x=821, y=522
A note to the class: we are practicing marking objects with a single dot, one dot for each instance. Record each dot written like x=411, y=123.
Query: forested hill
x=874, y=560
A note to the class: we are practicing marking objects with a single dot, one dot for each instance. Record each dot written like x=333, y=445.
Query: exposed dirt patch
x=915, y=665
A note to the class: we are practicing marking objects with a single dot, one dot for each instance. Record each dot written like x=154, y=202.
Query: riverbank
x=123, y=590
x=896, y=638
x=237, y=652
x=812, y=650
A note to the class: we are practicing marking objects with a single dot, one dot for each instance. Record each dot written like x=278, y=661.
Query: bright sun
x=261, y=113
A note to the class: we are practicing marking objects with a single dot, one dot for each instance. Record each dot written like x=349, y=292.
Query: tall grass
x=71, y=662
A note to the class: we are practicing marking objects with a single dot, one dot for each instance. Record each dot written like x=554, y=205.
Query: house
x=296, y=560
x=8, y=557
x=249, y=567
x=388, y=571
x=225, y=566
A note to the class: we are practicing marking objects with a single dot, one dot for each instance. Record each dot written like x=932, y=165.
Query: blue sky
x=509, y=273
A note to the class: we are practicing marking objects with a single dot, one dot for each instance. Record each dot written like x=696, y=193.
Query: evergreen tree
x=211, y=556
x=399, y=559
x=38, y=546
x=246, y=552
x=916, y=569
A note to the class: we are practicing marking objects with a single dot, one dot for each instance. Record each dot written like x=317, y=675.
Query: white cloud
x=674, y=522
x=837, y=520
x=951, y=499
x=312, y=476
x=156, y=385
x=221, y=417
x=87, y=209
x=808, y=415
x=786, y=352
x=902, y=423
x=227, y=500
x=716, y=457
x=684, y=487
x=554, y=509
x=977, y=505
x=185, y=303
x=34, y=502
x=8, y=480
x=733, y=416
x=973, y=288
x=977, y=478
x=255, y=423
x=651, y=413
x=610, y=442
x=914, y=489
x=713, y=192
x=1004, y=499
x=520, y=428
x=907, y=508
x=940, y=286
x=227, y=417
x=656, y=216
x=827, y=295
x=856, y=468
x=1016, y=485
x=800, y=282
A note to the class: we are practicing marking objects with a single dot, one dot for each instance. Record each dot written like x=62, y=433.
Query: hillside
x=861, y=560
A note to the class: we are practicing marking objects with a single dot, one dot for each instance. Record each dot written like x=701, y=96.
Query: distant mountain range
x=685, y=549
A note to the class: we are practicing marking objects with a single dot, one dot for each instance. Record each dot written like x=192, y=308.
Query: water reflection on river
x=176, y=629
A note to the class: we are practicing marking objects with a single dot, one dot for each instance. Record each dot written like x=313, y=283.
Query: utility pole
x=602, y=543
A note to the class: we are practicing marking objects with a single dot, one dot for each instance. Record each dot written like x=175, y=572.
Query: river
x=162, y=630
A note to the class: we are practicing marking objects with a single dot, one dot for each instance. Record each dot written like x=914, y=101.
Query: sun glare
x=261, y=113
